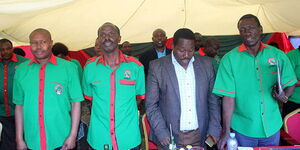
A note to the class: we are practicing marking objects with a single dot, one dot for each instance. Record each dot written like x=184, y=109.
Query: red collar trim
x=122, y=58
x=13, y=58
x=51, y=60
x=244, y=48
x=68, y=58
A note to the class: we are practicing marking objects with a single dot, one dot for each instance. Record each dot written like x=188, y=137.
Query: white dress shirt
x=187, y=92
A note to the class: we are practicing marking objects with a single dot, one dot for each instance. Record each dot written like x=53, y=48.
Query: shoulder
x=91, y=60
x=168, y=51
x=134, y=60
x=64, y=63
x=161, y=61
x=293, y=52
x=146, y=54
x=74, y=60
x=21, y=58
x=24, y=64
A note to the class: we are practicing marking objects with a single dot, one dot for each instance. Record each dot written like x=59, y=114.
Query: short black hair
x=109, y=23
x=274, y=44
x=19, y=51
x=211, y=41
x=6, y=41
x=183, y=33
x=60, y=48
x=250, y=16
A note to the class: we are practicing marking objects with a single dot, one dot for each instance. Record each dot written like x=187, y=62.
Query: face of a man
x=6, y=51
x=40, y=45
x=198, y=41
x=184, y=51
x=126, y=48
x=212, y=50
x=250, y=32
x=109, y=38
x=98, y=48
x=159, y=38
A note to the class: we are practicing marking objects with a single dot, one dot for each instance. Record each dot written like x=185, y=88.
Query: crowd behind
x=189, y=94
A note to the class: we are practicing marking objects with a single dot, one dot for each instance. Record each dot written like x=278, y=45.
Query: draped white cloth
x=75, y=22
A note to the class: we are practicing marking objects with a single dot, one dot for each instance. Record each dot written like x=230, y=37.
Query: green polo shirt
x=79, y=68
x=46, y=93
x=7, y=72
x=249, y=80
x=114, y=116
x=294, y=57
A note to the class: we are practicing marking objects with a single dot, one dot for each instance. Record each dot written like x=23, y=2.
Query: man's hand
x=69, y=143
x=165, y=141
x=21, y=145
x=280, y=97
x=222, y=141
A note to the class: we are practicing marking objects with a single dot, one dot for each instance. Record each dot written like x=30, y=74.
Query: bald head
x=42, y=31
x=157, y=31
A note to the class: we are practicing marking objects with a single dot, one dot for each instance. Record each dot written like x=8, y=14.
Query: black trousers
x=8, y=136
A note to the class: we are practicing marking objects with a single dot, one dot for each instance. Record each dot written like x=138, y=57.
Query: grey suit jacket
x=163, y=100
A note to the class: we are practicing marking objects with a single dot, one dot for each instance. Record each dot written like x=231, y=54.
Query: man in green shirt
x=112, y=82
x=245, y=80
x=47, y=94
x=294, y=100
x=8, y=64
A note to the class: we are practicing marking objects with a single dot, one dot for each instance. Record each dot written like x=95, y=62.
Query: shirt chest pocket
x=127, y=87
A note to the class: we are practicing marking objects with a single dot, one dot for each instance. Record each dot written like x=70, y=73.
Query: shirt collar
x=52, y=60
x=175, y=62
x=68, y=58
x=13, y=58
x=244, y=48
x=163, y=52
x=122, y=58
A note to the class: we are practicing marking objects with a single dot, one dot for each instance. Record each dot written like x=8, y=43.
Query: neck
x=6, y=61
x=161, y=49
x=43, y=61
x=254, y=49
x=112, y=59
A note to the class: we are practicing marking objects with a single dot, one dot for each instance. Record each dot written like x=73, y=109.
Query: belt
x=185, y=131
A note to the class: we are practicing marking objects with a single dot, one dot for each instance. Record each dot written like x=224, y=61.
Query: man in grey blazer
x=179, y=92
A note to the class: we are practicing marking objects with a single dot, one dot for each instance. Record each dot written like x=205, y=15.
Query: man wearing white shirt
x=179, y=94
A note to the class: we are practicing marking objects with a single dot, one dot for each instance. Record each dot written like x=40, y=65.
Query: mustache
x=107, y=41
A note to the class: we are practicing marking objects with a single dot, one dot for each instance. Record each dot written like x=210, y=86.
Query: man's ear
x=119, y=40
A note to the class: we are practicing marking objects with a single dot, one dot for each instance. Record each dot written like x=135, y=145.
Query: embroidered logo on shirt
x=58, y=89
x=271, y=61
x=127, y=74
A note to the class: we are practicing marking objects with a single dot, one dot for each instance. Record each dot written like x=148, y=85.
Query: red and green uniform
x=46, y=92
x=114, y=117
x=7, y=72
x=215, y=60
x=294, y=57
x=79, y=68
x=249, y=79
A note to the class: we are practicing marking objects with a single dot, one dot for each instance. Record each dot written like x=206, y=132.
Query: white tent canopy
x=75, y=22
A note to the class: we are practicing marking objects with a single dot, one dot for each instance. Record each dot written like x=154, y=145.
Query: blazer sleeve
x=153, y=111
x=214, y=109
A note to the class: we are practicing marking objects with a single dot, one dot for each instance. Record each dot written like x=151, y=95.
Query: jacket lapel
x=172, y=75
x=197, y=71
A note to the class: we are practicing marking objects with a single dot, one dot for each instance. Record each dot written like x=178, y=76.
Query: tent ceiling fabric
x=75, y=22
